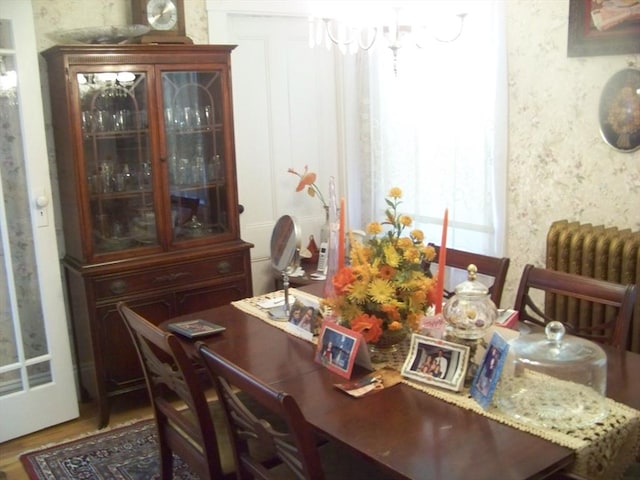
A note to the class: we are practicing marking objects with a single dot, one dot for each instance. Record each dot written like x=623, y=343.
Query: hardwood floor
x=125, y=408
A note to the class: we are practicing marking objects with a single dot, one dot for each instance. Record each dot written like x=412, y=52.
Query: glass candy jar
x=558, y=380
x=470, y=311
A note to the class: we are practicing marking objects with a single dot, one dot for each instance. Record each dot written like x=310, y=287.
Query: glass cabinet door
x=117, y=159
x=195, y=148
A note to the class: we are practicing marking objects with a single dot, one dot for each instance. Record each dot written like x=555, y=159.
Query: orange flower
x=392, y=312
x=308, y=181
x=386, y=272
x=342, y=279
x=369, y=326
x=395, y=325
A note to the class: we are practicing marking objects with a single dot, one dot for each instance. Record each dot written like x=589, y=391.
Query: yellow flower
x=417, y=235
x=395, y=193
x=374, y=228
x=391, y=255
x=381, y=291
x=429, y=253
x=405, y=220
x=405, y=243
x=412, y=255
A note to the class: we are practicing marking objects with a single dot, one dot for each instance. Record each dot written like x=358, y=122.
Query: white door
x=37, y=387
x=286, y=115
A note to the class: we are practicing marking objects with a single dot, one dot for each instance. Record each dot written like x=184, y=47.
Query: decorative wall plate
x=619, y=112
x=99, y=35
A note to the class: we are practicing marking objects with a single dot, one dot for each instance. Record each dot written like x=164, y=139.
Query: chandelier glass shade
x=355, y=26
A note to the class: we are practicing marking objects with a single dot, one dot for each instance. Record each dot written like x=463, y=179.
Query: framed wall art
x=619, y=110
x=599, y=27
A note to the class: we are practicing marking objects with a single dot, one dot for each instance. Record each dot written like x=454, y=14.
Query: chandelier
x=354, y=26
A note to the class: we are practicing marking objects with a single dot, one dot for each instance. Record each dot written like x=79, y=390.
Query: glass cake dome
x=558, y=380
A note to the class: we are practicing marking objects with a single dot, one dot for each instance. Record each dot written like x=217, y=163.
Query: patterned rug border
x=36, y=465
x=83, y=436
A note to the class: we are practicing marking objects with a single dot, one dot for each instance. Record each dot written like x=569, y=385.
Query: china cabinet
x=145, y=157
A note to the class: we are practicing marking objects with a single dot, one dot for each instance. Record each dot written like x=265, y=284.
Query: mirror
x=285, y=255
x=285, y=244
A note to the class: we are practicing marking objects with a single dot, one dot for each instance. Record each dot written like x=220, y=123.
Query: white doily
x=550, y=402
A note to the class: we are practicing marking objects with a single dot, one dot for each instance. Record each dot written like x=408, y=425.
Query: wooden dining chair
x=303, y=455
x=566, y=293
x=187, y=423
x=492, y=270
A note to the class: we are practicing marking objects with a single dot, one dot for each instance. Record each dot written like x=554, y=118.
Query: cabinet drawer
x=168, y=277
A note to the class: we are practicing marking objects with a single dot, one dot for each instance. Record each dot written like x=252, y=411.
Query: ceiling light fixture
x=395, y=25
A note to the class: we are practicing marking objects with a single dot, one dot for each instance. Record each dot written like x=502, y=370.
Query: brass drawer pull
x=171, y=277
x=118, y=287
x=223, y=267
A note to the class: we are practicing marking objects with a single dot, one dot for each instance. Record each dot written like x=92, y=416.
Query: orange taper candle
x=341, y=237
x=442, y=263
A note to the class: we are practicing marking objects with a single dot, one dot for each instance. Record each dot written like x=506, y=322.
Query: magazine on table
x=195, y=328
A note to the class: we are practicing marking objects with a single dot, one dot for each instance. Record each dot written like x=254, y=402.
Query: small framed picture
x=486, y=378
x=436, y=362
x=303, y=316
x=337, y=348
x=303, y=320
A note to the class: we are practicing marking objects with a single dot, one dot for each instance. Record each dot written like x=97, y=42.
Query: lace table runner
x=604, y=450
x=251, y=306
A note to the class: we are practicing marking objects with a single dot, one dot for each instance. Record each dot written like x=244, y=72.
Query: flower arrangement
x=308, y=181
x=385, y=287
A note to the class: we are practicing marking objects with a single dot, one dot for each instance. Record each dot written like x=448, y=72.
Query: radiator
x=600, y=252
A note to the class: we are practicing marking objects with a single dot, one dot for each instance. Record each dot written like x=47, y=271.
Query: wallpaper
x=558, y=167
x=53, y=16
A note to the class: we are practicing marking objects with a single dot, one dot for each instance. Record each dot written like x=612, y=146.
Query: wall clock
x=165, y=18
x=619, y=111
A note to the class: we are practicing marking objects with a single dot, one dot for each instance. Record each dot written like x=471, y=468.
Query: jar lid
x=470, y=287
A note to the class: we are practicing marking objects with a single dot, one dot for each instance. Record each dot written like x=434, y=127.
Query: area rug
x=128, y=452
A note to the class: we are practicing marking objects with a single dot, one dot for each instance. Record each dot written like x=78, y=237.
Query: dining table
x=405, y=432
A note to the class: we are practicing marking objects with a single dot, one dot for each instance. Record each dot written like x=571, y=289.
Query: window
x=436, y=128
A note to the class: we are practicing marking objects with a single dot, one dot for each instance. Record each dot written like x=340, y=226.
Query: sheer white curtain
x=438, y=130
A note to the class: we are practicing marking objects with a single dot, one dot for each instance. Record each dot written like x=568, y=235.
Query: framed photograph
x=599, y=27
x=338, y=347
x=486, y=378
x=436, y=362
x=303, y=316
x=303, y=320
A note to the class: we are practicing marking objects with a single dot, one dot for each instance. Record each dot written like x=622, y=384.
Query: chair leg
x=166, y=458
x=166, y=463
